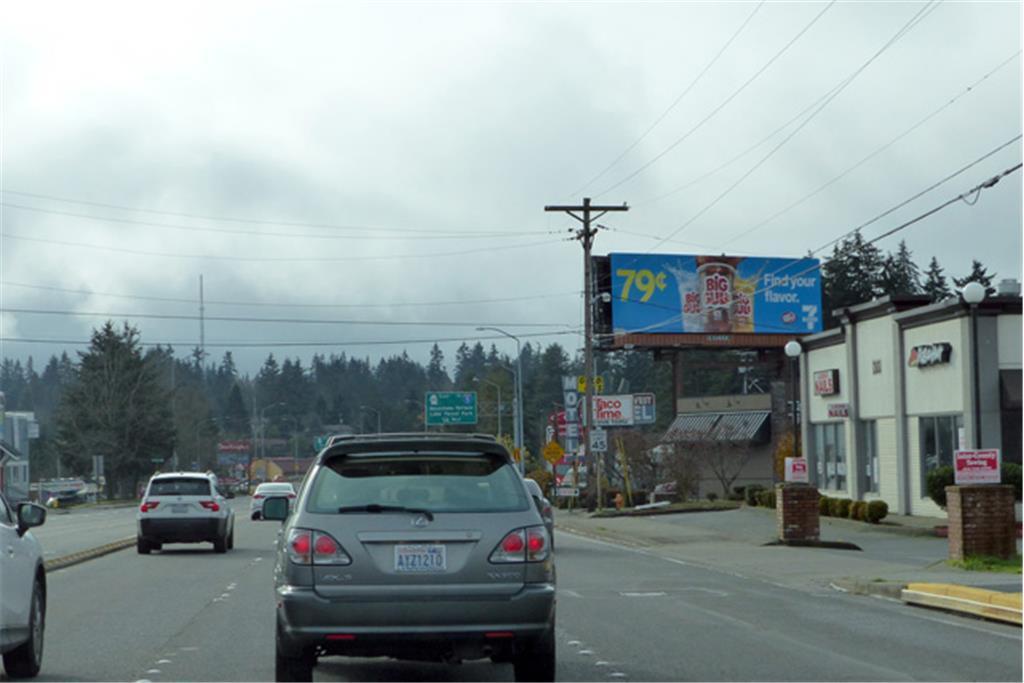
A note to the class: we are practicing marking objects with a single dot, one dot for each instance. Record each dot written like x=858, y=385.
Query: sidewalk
x=902, y=552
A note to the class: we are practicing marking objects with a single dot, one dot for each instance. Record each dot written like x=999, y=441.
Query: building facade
x=890, y=395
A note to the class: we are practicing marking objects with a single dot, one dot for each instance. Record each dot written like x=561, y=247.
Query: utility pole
x=585, y=235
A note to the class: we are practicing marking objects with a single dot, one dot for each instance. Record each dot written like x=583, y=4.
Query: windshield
x=180, y=486
x=437, y=482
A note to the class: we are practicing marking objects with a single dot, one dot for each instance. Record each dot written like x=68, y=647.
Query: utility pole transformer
x=584, y=214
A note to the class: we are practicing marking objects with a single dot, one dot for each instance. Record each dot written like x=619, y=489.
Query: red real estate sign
x=976, y=467
x=796, y=470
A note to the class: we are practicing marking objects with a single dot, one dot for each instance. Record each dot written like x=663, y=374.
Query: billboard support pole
x=586, y=236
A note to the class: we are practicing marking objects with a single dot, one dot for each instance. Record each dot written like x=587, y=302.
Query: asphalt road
x=189, y=614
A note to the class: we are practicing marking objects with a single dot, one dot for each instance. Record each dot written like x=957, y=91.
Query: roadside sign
x=976, y=467
x=598, y=440
x=796, y=470
x=567, y=492
x=643, y=409
x=553, y=452
x=581, y=384
x=450, y=408
x=613, y=411
x=549, y=433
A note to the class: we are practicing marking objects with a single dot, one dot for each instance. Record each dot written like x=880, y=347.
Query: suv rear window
x=179, y=486
x=439, y=482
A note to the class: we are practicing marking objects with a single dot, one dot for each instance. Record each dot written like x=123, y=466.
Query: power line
x=290, y=304
x=721, y=106
x=835, y=93
x=254, y=221
x=672, y=106
x=252, y=344
x=278, y=259
x=289, y=321
x=289, y=235
x=878, y=151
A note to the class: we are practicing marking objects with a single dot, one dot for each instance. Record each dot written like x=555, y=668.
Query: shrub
x=833, y=507
x=823, y=506
x=844, y=507
x=936, y=482
x=750, y=494
x=766, y=498
x=859, y=510
x=877, y=510
x=1011, y=474
x=712, y=496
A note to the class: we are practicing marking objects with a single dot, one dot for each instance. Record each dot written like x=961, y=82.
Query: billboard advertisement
x=690, y=294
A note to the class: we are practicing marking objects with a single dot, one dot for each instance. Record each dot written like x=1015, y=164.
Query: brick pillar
x=981, y=521
x=796, y=512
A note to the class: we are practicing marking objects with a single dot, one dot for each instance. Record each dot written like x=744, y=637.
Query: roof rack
x=412, y=436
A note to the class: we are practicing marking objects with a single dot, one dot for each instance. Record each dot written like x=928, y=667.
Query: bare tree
x=723, y=456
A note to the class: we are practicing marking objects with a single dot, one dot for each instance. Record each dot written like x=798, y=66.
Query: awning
x=1010, y=389
x=736, y=426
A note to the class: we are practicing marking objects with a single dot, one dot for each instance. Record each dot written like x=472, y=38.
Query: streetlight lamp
x=973, y=294
x=477, y=380
x=519, y=393
x=373, y=410
x=793, y=350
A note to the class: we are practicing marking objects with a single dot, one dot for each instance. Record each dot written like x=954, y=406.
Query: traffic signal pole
x=585, y=215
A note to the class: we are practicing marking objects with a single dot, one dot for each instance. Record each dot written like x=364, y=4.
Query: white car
x=270, y=488
x=22, y=590
x=185, y=507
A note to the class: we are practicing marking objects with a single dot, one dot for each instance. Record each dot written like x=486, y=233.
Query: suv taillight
x=148, y=505
x=523, y=545
x=306, y=546
x=258, y=496
x=210, y=505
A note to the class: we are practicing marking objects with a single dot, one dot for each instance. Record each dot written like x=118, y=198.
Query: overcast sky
x=402, y=153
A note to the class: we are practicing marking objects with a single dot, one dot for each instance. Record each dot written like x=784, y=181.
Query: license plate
x=419, y=559
x=179, y=509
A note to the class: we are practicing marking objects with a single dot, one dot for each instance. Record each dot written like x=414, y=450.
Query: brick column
x=796, y=512
x=981, y=521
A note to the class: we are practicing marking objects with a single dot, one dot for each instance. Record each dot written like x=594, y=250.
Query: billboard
x=690, y=294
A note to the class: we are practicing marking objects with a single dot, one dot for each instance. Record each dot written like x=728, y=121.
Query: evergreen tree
x=935, y=285
x=899, y=274
x=437, y=376
x=850, y=276
x=978, y=274
x=116, y=407
x=236, y=414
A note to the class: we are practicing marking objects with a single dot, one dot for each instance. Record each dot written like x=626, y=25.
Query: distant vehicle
x=544, y=507
x=22, y=590
x=268, y=489
x=185, y=507
x=414, y=546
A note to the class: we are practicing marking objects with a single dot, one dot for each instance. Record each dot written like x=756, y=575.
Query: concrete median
x=988, y=604
x=56, y=563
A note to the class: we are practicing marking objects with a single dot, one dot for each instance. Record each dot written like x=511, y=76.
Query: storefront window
x=830, y=452
x=871, y=455
x=939, y=438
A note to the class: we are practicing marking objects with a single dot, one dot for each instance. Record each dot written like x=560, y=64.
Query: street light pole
x=519, y=436
x=793, y=351
x=973, y=294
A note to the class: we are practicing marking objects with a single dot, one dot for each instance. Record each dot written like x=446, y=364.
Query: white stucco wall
x=936, y=389
x=1010, y=347
x=876, y=394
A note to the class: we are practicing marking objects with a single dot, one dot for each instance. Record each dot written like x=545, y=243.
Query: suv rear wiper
x=374, y=507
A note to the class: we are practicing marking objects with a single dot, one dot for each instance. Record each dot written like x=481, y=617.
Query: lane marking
x=163, y=661
x=601, y=663
x=617, y=674
x=585, y=653
x=658, y=594
x=574, y=643
x=153, y=671
x=570, y=593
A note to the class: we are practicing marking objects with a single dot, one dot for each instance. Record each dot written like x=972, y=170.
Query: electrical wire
x=906, y=28
x=672, y=106
x=290, y=235
x=721, y=106
x=875, y=153
x=278, y=259
x=287, y=304
x=254, y=221
x=288, y=321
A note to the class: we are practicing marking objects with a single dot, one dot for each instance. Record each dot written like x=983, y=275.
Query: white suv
x=185, y=507
x=22, y=590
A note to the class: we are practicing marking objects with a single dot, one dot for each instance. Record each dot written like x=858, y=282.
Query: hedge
x=750, y=494
x=861, y=510
x=941, y=477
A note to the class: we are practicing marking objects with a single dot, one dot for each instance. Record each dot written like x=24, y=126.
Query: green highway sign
x=450, y=408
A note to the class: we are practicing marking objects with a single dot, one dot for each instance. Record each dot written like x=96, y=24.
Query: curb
x=979, y=602
x=92, y=553
x=885, y=589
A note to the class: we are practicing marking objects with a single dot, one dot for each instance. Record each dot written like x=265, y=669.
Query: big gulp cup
x=717, y=281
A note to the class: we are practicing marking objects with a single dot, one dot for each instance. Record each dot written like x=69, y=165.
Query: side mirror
x=30, y=515
x=275, y=507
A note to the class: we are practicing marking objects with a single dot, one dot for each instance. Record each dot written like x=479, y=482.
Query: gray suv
x=414, y=546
